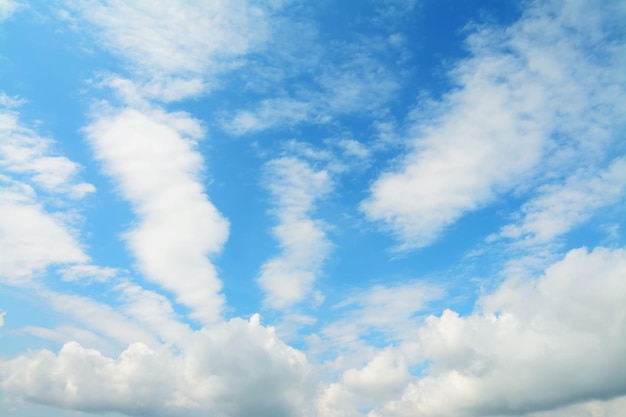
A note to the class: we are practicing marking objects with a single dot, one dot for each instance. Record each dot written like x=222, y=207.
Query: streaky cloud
x=151, y=156
x=289, y=277
x=529, y=94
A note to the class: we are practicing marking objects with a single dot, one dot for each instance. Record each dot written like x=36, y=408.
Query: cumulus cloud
x=513, y=355
x=151, y=157
x=384, y=377
x=528, y=93
x=237, y=368
x=289, y=277
x=530, y=346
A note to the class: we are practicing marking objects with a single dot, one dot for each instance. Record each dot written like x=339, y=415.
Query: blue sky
x=382, y=209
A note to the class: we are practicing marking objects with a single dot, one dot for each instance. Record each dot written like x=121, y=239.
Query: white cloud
x=31, y=239
x=31, y=236
x=559, y=207
x=356, y=81
x=126, y=314
x=152, y=312
x=270, y=113
x=354, y=149
x=103, y=320
x=289, y=277
x=88, y=272
x=23, y=152
x=531, y=346
x=62, y=333
x=529, y=92
x=2, y=314
x=176, y=43
x=9, y=102
x=385, y=314
x=237, y=368
x=513, y=355
x=151, y=157
x=382, y=378
x=7, y=8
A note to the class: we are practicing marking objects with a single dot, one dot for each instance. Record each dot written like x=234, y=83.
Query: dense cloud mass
x=428, y=220
x=516, y=354
x=238, y=368
x=512, y=356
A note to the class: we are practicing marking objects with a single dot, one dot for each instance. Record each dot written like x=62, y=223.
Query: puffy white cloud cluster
x=237, y=368
x=530, y=346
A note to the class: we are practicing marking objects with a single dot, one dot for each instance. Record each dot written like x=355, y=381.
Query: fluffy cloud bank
x=531, y=346
x=513, y=356
x=238, y=368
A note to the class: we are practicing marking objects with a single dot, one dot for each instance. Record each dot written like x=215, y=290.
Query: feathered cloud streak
x=528, y=99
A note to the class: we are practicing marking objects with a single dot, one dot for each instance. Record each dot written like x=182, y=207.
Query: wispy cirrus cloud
x=557, y=208
x=528, y=94
x=384, y=313
x=175, y=49
x=35, y=235
x=358, y=82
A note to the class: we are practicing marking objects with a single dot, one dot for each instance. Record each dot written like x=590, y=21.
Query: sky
x=394, y=208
